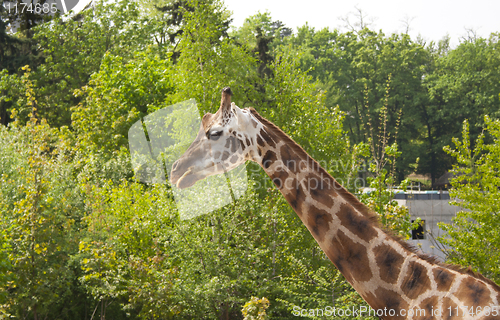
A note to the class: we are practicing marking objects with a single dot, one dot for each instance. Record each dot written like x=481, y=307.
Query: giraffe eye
x=214, y=135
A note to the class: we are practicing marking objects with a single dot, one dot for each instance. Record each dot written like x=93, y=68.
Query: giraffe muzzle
x=185, y=181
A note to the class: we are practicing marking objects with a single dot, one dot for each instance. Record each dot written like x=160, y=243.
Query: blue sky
x=432, y=19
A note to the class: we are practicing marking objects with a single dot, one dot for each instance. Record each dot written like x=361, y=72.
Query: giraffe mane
x=365, y=211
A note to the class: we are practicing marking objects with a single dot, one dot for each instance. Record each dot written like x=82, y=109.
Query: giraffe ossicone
x=387, y=272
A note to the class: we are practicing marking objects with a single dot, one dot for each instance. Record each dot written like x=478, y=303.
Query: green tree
x=11, y=89
x=8, y=44
x=352, y=69
x=381, y=151
x=261, y=36
x=462, y=84
x=5, y=269
x=247, y=34
x=176, y=16
x=38, y=214
x=211, y=60
x=255, y=309
x=20, y=48
x=72, y=50
x=298, y=108
x=472, y=236
x=123, y=255
x=42, y=210
x=118, y=95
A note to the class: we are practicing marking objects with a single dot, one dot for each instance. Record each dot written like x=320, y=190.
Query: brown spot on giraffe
x=225, y=155
x=232, y=143
x=428, y=308
x=451, y=311
x=303, y=165
x=416, y=280
x=356, y=223
x=268, y=159
x=444, y=278
x=389, y=262
x=254, y=123
x=471, y=292
x=234, y=158
x=318, y=222
x=270, y=142
x=260, y=142
x=351, y=258
x=316, y=186
x=278, y=183
x=289, y=159
x=295, y=194
x=279, y=177
x=385, y=300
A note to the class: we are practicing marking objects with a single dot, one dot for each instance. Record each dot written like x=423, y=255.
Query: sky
x=432, y=19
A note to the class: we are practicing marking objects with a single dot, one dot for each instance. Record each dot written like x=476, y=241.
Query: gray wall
x=432, y=211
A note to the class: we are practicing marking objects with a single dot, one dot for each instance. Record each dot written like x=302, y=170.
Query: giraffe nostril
x=174, y=166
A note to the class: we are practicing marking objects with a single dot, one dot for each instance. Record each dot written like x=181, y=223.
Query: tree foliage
x=255, y=309
x=117, y=96
x=464, y=85
x=353, y=67
x=473, y=236
x=124, y=253
x=39, y=212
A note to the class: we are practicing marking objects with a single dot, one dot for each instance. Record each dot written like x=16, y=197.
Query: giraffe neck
x=341, y=230
x=382, y=269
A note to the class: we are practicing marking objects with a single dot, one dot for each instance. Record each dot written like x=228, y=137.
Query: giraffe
x=388, y=273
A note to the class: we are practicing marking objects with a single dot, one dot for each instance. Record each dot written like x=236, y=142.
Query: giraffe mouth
x=187, y=180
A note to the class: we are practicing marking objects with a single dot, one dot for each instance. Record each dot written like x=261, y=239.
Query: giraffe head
x=222, y=144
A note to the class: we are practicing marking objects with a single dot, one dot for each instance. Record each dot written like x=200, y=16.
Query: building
x=432, y=207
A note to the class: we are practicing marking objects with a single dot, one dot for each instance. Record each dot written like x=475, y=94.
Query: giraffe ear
x=207, y=121
x=225, y=103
